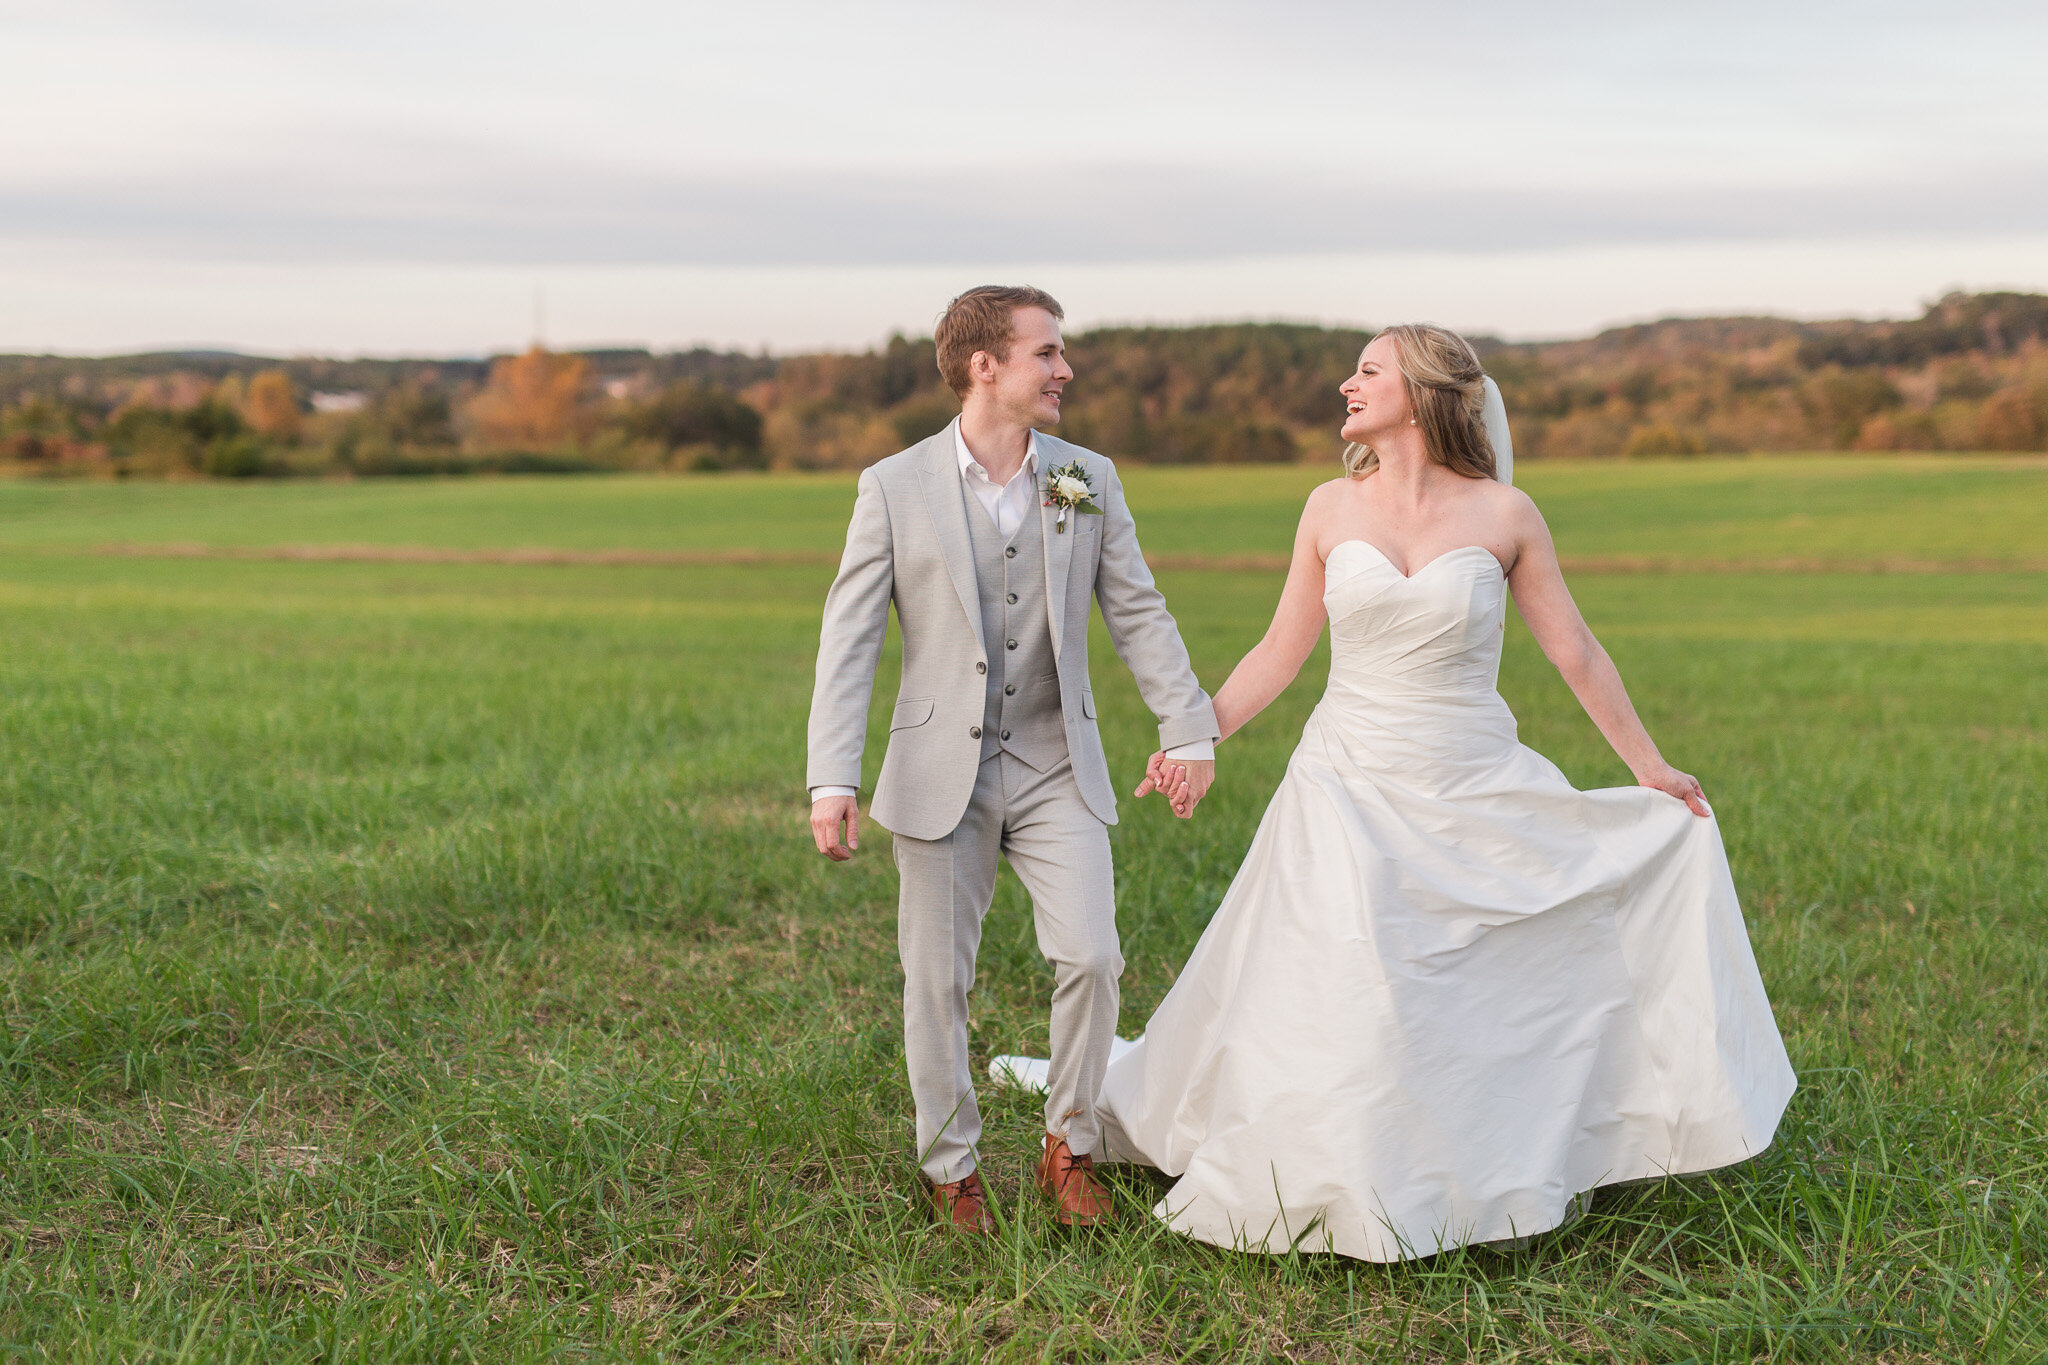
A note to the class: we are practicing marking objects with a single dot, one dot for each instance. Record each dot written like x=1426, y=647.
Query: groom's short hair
x=981, y=320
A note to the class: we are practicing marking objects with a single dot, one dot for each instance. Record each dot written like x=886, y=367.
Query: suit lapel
x=1059, y=553
x=946, y=499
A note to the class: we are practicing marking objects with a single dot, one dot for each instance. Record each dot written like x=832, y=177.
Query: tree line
x=1971, y=373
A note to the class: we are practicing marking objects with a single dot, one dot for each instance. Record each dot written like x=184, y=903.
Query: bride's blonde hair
x=1447, y=390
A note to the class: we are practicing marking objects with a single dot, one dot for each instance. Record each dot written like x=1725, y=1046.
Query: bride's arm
x=1554, y=619
x=1264, y=673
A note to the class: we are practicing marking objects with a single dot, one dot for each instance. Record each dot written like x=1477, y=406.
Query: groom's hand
x=835, y=824
x=1183, y=781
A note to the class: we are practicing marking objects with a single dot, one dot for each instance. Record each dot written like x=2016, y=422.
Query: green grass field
x=1984, y=510
x=428, y=961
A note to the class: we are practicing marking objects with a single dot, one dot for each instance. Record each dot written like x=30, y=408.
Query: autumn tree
x=416, y=413
x=2011, y=420
x=42, y=429
x=532, y=402
x=1840, y=401
x=1661, y=438
x=271, y=406
x=715, y=429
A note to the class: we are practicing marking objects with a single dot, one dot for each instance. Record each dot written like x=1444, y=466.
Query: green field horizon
x=1980, y=509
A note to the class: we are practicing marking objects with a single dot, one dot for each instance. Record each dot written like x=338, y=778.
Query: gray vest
x=1022, y=711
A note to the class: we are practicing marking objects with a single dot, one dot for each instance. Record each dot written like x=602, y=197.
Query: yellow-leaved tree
x=271, y=406
x=532, y=402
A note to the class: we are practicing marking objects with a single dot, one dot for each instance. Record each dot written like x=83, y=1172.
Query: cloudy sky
x=364, y=176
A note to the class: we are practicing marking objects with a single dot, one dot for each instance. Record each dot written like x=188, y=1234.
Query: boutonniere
x=1067, y=488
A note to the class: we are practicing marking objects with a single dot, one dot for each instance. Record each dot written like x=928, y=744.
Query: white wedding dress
x=1446, y=992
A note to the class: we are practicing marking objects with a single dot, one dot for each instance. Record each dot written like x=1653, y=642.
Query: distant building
x=352, y=401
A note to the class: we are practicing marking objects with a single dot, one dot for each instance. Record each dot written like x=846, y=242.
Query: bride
x=1447, y=994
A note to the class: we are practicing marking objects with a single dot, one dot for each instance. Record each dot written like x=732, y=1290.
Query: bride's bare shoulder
x=1505, y=500
x=1325, y=503
x=1515, y=513
x=1325, y=496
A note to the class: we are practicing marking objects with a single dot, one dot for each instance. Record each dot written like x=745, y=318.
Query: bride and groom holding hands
x=1446, y=995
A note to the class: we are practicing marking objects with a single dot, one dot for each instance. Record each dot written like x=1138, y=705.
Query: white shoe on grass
x=1034, y=1073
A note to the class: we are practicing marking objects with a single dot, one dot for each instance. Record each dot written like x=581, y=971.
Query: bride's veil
x=1496, y=417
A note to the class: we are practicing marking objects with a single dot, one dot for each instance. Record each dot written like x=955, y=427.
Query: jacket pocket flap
x=913, y=711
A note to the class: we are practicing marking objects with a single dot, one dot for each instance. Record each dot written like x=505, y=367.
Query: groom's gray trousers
x=1061, y=853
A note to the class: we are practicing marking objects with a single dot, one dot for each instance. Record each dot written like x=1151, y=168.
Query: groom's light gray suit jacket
x=909, y=543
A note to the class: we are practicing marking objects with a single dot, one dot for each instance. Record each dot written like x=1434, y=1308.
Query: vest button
x=1009, y=552
x=975, y=731
x=1009, y=644
x=980, y=667
x=1011, y=599
x=1009, y=689
x=1006, y=734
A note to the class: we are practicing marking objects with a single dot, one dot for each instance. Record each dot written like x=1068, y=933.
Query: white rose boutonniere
x=1067, y=488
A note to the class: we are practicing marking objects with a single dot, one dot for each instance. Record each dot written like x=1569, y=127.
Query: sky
x=446, y=177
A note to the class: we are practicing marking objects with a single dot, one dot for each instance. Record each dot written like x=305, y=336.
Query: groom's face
x=1027, y=386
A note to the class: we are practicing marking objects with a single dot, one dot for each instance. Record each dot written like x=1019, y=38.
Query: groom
x=992, y=743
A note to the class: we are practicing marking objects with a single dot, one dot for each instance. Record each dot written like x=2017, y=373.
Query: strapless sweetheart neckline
x=1406, y=577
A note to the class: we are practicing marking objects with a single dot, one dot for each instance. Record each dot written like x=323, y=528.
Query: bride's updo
x=1447, y=390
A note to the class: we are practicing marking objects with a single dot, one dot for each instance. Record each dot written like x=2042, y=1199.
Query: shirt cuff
x=1199, y=751
x=820, y=793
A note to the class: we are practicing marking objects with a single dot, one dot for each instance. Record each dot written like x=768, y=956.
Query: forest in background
x=1970, y=373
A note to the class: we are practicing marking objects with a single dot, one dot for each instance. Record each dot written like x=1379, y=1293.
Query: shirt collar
x=971, y=467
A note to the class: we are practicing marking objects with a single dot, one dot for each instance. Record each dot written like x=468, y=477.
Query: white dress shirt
x=1007, y=505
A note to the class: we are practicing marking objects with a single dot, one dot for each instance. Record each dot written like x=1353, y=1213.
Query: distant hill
x=1970, y=373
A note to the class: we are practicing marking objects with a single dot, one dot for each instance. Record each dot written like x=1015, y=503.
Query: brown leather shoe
x=962, y=1205
x=1069, y=1181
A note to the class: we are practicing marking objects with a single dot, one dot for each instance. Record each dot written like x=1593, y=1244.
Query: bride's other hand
x=1684, y=786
